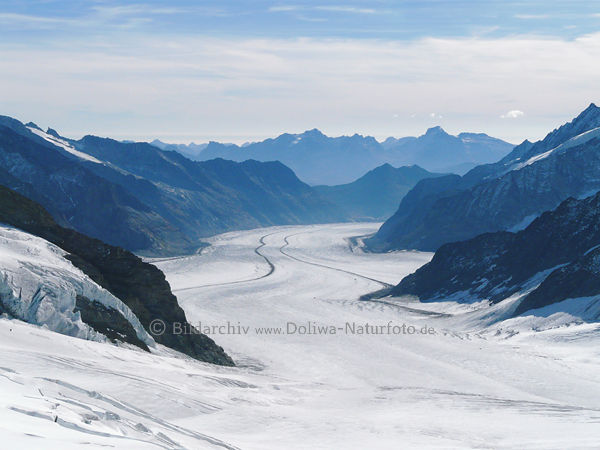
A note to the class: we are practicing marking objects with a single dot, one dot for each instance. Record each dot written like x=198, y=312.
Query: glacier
x=39, y=285
x=478, y=381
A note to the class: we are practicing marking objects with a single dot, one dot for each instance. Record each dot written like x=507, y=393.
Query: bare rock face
x=141, y=286
x=562, y=245
x=108, y=321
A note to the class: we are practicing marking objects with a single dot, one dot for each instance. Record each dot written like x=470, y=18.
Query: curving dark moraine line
x=285, y=239
x=257, y=251
x=423, y=312
x=365, y=298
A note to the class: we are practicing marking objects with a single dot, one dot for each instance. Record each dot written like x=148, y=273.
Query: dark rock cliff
x=565, y=242
x=141, y=286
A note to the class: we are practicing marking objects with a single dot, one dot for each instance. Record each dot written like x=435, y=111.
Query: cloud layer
x=182, y=88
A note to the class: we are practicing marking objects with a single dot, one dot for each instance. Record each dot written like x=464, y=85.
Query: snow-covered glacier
x=469, y=383
x=40, y=286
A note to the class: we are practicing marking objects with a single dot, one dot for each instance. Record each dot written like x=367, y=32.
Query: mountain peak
x=52, y=132
x=314, y=132
x=435, y=131
x=385, y=166
x=33, y=125
x=589, y=114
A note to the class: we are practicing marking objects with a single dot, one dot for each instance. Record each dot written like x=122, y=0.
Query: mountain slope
x=205, y=198
x=557, y=257
x=140, y=286
x=323, y=160
x=74, y=195
x=376, y=194
x=501, y=196
x=139, y=197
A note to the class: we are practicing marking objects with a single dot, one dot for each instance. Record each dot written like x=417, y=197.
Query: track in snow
x=271, y=266
x=383, y=283
x=285, y=239
x=257, y=251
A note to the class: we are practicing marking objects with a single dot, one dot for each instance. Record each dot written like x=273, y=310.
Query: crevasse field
x=472, y=381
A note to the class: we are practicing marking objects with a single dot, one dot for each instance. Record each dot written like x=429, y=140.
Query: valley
x=299, y=225
x=309, y=390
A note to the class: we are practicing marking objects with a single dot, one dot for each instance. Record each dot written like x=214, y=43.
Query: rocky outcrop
x=562, y=247
x=107, y=321
x=139, y=285
x=580, y=278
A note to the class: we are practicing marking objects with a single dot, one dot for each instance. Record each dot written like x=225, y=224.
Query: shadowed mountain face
x=322, y=160
x=506, y=195
x=191, y=151
x=376, y=195
x=561, y=248
x=141, y=286
x=74, y=195
x=148, y=200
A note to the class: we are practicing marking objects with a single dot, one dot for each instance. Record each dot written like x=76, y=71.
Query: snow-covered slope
x=63, y=144
x=40, y=286
x=470, y=384
x=573, y=142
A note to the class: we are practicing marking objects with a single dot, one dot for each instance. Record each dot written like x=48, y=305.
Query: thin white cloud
x=128, y=10
x=346, y=9
x=512, y=114
x=122, y=16
x=325, y=8
x=532, y=16
x=12, y=18
x=310, y=19
x=283, y=8
x=98, y=19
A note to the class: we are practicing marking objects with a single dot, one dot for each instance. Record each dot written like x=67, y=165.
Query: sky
x=237, y=71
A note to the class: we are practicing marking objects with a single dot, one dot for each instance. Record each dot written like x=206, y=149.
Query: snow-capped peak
x=573, y=142
x=62, y=144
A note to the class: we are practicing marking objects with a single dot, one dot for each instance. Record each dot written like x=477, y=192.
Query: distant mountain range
x=439, y=151
x=158, y=202
x=506, y=195
x=82, y=287
x=191, y=150
x=556, y=258
x=147, y=200
x=321, y=160
x=377, y=194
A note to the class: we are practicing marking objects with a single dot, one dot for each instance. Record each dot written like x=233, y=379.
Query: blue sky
x=237, y=71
